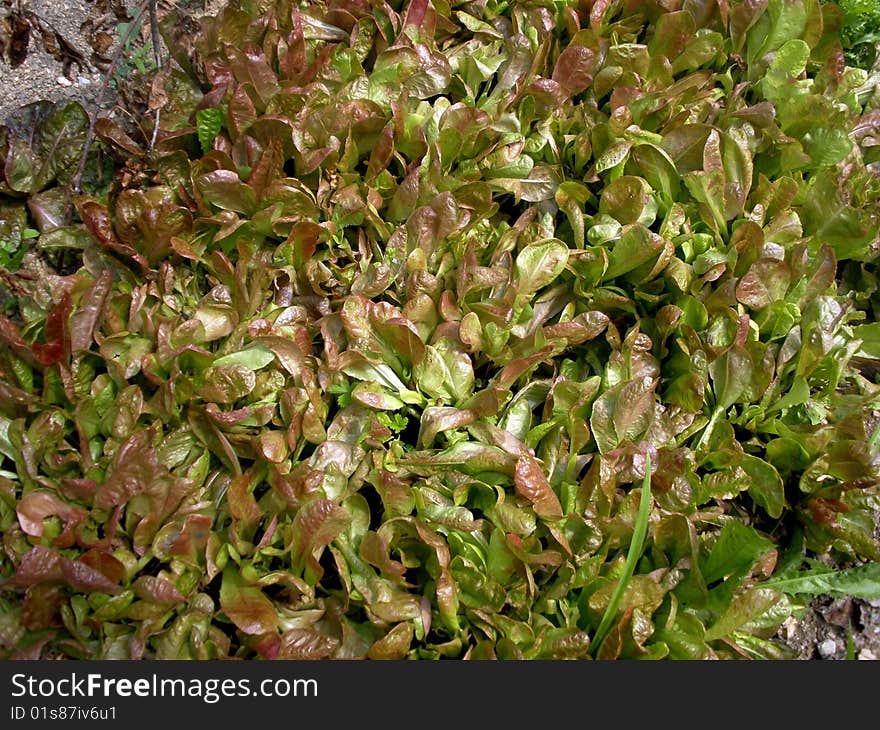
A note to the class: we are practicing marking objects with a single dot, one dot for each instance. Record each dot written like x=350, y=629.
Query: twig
x=93, y=117
x=157, y=54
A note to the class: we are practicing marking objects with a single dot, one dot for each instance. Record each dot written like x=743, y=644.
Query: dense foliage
x=860, y=33
x=490, y=329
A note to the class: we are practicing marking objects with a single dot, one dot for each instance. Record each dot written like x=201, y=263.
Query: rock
x=64, y=81
x=827, y=649
x=867, y=654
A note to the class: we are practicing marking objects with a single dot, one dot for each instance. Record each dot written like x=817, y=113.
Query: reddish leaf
x=89, y=312
x=34, y=507
x=97, y=220
x=246, y=606
x=110, y=132
x=250, y=66
x=316, y=525
x=305, y=644
x=242, y=112
x=135, y=467
x=39, y=565
x=574, y=69
x=269, y=167
x=10, y=336
x=517, y=368
x=157, y=590
x=395, y=644
x=57, y=346
x=242, y=505
x=44, y=565
x=41, y=605
x=532, y=484
x=82, y=577
x=105, y=564
x=193, y=538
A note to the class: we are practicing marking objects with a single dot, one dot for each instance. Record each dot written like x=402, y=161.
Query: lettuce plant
x=433, y=329
x=861, y=31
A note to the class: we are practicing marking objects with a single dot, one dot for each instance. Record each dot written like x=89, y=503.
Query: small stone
x=64, y=81
x=867, y=654
x=83, y=81
x=827, y=649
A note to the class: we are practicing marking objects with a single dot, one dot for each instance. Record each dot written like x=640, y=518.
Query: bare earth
x=40, y=76
x=822, y=633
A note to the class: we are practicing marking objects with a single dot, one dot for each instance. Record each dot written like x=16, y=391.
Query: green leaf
x=628, y=200
x=735, y=551
x=637, y=248
x=791, y=58
x=765, y=484
x=731, y=374
x=860, y=582
x=869, y=334
x=540, y=263
x=742, y=609
x=255, y=357
x=827, y=146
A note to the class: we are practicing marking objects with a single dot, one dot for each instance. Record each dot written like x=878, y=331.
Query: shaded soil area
x=836, y=629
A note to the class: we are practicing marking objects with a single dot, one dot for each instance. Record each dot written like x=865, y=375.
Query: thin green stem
x=632, y=557
x=707, y=432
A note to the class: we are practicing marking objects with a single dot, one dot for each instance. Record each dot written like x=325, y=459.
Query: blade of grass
x=635, y=552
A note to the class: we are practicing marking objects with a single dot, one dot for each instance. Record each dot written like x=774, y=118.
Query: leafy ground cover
x=860, y=32
x=468, y=330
